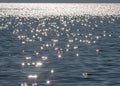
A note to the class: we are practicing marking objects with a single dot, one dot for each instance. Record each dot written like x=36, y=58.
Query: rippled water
x=59, y=48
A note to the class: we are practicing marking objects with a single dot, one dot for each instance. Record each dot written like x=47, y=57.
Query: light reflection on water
x=51, y=42
x=41, y=9
x=59, y=39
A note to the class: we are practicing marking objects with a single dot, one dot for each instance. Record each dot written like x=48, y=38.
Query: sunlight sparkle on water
x=23, y=64
x=44, y=57
x=52, y=71
x=24, y=84
x=48, y=82
x=38, y=64
x=27, y=58
x=44, y=40
x=77, y=54
x=35, y=76
x=62, y=9
x=34, y=84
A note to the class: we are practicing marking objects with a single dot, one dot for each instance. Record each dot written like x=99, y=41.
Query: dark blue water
x=60, y=51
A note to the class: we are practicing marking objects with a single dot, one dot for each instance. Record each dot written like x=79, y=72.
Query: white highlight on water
x=40, y=9
x=32, y=76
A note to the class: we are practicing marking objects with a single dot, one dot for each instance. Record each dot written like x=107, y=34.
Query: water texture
x=58, y=49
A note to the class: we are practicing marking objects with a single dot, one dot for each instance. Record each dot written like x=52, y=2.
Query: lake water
x=59, y=44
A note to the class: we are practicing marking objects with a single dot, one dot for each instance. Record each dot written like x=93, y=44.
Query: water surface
x=59, y=44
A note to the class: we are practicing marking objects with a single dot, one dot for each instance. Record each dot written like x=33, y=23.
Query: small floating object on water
x=85, y=75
